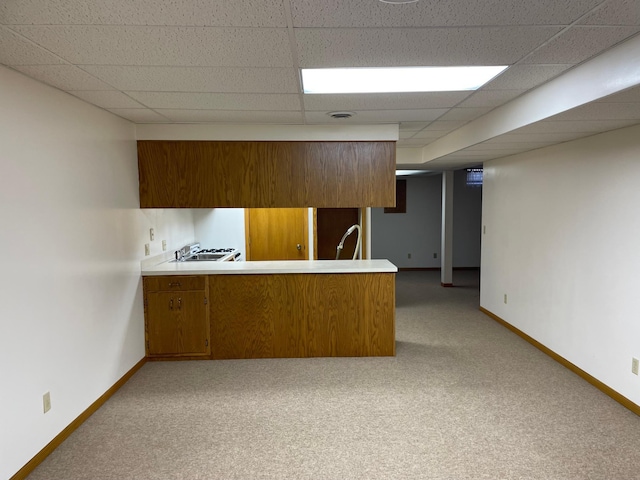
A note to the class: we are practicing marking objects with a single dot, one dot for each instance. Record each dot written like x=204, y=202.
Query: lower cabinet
x=177, y=316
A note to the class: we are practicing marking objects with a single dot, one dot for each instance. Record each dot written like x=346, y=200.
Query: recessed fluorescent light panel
x=396, y=79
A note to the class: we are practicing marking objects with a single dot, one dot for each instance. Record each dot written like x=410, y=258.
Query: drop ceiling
x=237, y=62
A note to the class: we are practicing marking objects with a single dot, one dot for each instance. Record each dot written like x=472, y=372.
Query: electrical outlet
x=164, y=245
x=147, y=249
x=152, y=234
x=46, y=402
x=505, y=298
x=435, y=255
x=408, y=255
x=634, y=366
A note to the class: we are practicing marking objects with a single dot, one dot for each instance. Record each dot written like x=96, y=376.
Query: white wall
x=71, y=318
x=394, y=235
x=220, y=228
x=562, y=237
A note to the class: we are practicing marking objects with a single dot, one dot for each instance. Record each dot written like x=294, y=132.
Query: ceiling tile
x=379, y=47
x=367, y=13
x=65, y=77
x=466, y=114
x=213, y=101
x=17, y=50
x=380, y=116
x=227, y=116
x=579, y=43
x=413, y=126
x=430, y=134
x=404, y=134
x=615, y=12
x=240, y=13
x=107, y=98
x=525, y=76
x=395, y=101
x=185, y=46
x=197, y=79
x=444, y=125
x=490, y=98
x=139, y=115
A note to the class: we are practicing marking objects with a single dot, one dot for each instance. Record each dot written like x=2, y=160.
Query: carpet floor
x=463, y=399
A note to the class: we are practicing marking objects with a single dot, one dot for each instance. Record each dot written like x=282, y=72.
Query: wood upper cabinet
x=176, y=316
x=203, y=174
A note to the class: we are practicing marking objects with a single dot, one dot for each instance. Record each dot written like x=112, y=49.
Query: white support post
x=446, y=248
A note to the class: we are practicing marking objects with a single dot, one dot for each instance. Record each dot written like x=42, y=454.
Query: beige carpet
x=464, y=399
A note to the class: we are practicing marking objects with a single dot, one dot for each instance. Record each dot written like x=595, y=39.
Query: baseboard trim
x=64, y=434
x=622, y=400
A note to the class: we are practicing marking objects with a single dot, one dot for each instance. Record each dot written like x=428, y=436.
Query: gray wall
x=396, y=235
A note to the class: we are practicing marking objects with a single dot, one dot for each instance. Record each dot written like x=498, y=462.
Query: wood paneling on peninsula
x=302, y=315
x=207, y=174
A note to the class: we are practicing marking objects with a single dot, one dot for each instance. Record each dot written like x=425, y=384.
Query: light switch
x=151, y=234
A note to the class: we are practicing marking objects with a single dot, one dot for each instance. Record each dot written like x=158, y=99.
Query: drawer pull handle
x=174, y=284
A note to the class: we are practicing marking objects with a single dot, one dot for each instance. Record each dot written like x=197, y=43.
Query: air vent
x=341, y=115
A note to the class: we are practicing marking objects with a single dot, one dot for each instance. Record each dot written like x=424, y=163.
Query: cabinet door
x=177, y=323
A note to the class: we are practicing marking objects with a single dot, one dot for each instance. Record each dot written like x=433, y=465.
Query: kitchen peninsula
x=270, y=309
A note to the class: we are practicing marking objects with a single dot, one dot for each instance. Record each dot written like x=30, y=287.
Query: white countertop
x=270, y=267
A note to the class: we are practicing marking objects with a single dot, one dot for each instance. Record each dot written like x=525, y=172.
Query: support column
x=446, y=243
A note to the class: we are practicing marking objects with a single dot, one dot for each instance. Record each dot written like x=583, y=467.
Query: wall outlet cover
x=46, y=402
x=147, y=249
x=634, y=366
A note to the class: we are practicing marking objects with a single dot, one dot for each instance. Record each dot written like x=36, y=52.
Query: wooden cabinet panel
x=174, y=283
x=177, y=323
x=197, y=174
x=177, y=316
x=302, y=315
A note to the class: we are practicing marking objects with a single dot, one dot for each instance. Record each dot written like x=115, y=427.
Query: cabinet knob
x=179, y=304
x=299, y=247
x=171, y=304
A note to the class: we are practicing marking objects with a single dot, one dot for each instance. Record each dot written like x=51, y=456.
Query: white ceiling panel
x=139, y=115
x=380, y=116
x=213, y=101
x=395, y=101
x=197, y=79
x=228, y=116
x=464, y=113
x=65, y=77
x=184, y=46
x=525, y=76
x=107, y=98
x=412, y=126
x=443, y=126
x=490, y=98
x=326, y=47
x=220, y=61
x=580, y=43
x=615, y=12
x=17, y=50
x=430, y=13
x=240, y=13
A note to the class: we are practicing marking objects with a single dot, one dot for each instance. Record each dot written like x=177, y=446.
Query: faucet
x=341, y=244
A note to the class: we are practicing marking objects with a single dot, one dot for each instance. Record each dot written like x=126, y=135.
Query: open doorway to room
x=331, y=225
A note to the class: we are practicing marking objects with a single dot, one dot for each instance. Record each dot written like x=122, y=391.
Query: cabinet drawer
x=173, y=283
